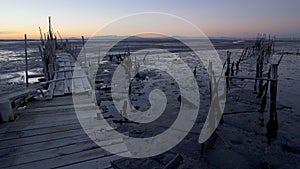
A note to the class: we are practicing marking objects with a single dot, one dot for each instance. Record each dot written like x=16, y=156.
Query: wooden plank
x=59, y=86
x=65, y=100
x=59, y=142
x=59, y=107
x=62, y=79
x=31, y=124
x=40, y=138
x=24, y=125
x=54, y=153
x=86, y=84
x=69, y=69
x=57, y=116
x=69, y=159
x=85, y=81
x=248, y=78
x=27, y=126
x=51, y=144
x=68, y=81
x=104, y=162
x=11, y=101
x=45, y=118
x=52, y=86
x=77, y=85
x=37, y=132
x=12, y=95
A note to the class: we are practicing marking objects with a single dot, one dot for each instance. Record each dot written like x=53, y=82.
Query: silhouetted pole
x=99, y=57
x=82, y=37
x=227, y=73
x=26, y=61
x=210, y=78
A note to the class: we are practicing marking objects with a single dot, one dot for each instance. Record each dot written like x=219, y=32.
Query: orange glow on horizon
x=211, y=31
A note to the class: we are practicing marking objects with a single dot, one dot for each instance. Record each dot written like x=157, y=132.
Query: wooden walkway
x=68, y=77
x=47, y=133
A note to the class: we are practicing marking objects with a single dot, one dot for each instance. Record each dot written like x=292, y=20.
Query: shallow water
x=251, y=144
x=12, y=61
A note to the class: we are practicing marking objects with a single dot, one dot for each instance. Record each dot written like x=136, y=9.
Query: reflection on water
x=272, y=127
x=12, y=61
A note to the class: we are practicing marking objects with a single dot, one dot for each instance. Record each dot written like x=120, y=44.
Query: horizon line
x=278, y=37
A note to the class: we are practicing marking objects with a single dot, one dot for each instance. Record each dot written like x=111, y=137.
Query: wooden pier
x=67, y=77
x=47, y=132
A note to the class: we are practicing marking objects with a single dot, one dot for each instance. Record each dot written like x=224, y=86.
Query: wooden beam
x=248, y=78
x=60, y=79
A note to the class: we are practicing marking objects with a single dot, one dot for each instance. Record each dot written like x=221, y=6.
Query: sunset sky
x=215, y=17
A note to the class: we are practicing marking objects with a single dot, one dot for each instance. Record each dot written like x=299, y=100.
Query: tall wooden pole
x=50, y=28
x=26, y=61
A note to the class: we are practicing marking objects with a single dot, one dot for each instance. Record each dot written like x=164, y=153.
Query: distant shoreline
x=159, y=38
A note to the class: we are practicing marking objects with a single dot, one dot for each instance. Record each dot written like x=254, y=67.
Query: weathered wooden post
x=265, y=93
x=82, y=37
x=50, y=28
x=210, y=76
x=272, y=125
x=41, y=38
x=237, y=66
x=259, y=64
x=232, y=71
x=44, y=62
x=228, y=69
x=99, y=57
x=273, y=88
x=51, y=71
x=273, y=45
x=68, y=48
x=26, y=61
x=195, y=71
x=209, y=70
